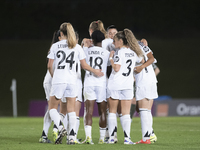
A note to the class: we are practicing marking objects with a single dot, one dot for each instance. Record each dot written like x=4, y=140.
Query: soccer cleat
x=55, y=135
x=89, y=141
x=61, y=134
x=106, y=139
x=144, y=142
x=71, y=142
x=77, y=141
x=101, y=141
x=128, y=142
x=115, y=139
x=153, y=139
x=44, y=140
x=111, y=141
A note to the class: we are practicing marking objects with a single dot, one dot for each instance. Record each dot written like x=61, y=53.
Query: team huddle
x=119, y=77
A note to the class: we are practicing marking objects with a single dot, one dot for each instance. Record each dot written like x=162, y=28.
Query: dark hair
x=77, y=35
x=97, y=36
x=55, y=39
x=111, y=27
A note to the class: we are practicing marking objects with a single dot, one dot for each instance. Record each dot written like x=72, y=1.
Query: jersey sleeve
x=144, y=48
x=81, y=53
x=51, y=52
x=117, y=58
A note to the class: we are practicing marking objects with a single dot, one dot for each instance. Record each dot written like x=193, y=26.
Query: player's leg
x=88, y=120
x=153, y=137
x=113, y=103
x=77, y=110
x=53, y=105
x=72, y=118
x=47, y=120
x=143, y=106
x=102, y=120
x=133, y=105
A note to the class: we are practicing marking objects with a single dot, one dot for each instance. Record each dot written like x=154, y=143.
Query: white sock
x=115, y=132
x=120, y=117
x=72, y=125
x=77, y=126
x=126, y=125
x=84, y=120
x=88, y=131
x=144, y=117
x=66, y=122
x=107, y=133
x=111, y=124
x=62, y=116
x=150, y=123
x=56, y=118
x=102, y=133
x=46, y=123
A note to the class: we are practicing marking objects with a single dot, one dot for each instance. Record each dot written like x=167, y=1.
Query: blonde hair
x=98, y=25
x=68, y=30
x=129, y=40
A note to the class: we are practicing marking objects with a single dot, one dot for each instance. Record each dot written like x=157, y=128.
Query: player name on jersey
x=129, y=54
x=94, y=53
x=62, y=45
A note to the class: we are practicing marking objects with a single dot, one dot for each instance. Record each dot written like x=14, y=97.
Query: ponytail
x=98, y=25
x=129, y=40
x=68, y=31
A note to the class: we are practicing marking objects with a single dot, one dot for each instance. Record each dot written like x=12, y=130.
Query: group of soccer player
x=119, y=73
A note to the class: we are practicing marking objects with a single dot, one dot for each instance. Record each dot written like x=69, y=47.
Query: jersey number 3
x=129, y=68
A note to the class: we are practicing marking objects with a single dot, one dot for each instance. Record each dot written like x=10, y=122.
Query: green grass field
x=173, y=133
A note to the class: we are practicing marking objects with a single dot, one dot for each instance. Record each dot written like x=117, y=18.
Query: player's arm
x=150, y=60
x=87, y=67
x=50, y=66
x=115, y=67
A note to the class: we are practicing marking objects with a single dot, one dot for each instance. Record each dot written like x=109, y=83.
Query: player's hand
x=138, y=69
x=144, y=41
x=98, y=73
x=112, y=53
x=86, y=42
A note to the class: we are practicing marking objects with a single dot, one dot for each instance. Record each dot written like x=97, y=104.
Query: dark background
x=171, y=27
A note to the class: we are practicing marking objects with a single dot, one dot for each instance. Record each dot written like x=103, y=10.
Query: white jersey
x=78, y=70
x=147, y=75
x=106, y=42
x=65, y=62
x=123, y=79
x=97, y=58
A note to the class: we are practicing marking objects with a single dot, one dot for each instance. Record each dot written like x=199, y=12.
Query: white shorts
x=121, y=94
x=47, y=90
x=64, y=90
x=79, y=97
x=95, y=93
x=148, y=92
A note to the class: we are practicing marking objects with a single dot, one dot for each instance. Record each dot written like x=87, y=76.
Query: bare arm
x=150, y=60
x=85, y=66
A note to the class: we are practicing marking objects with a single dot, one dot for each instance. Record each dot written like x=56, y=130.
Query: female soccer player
x=120, y=83
x=47, y=88
x=95, y=87
x=65, y=53
x=146, y=91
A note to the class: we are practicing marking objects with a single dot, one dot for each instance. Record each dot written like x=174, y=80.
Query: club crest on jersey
x=146, y=49
x=116, y=58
